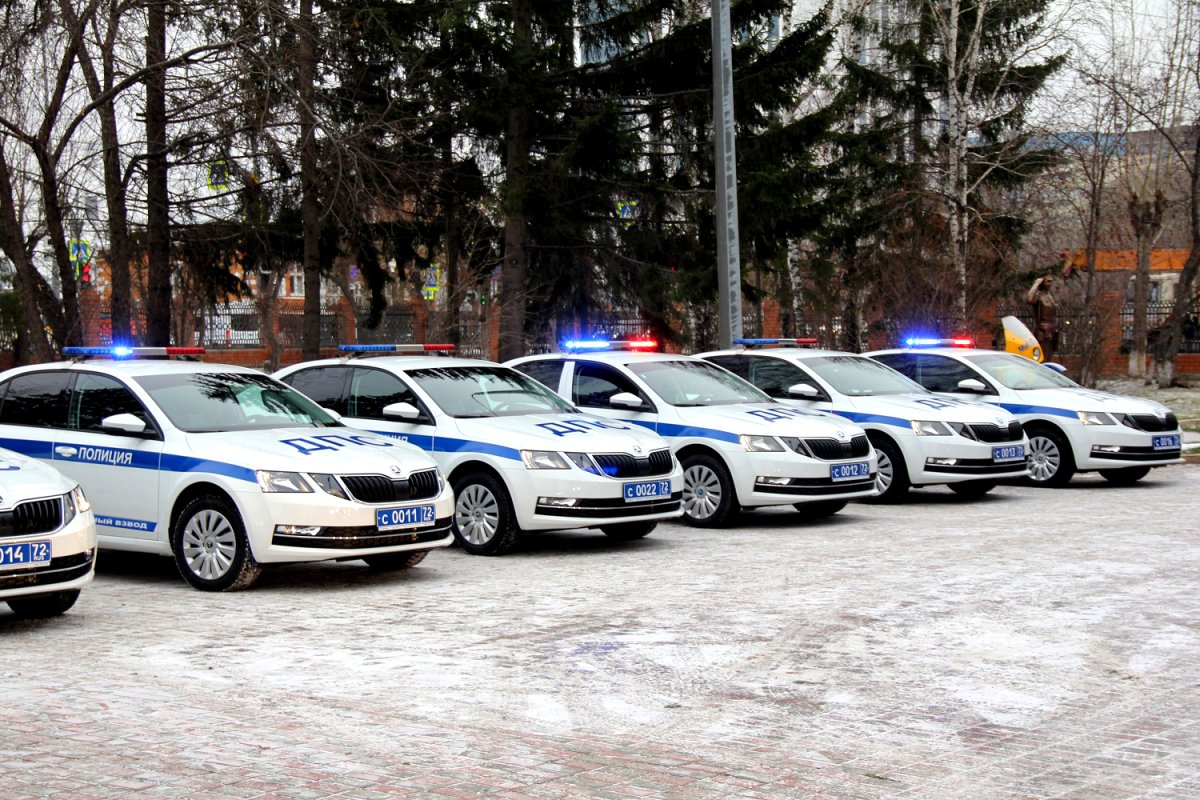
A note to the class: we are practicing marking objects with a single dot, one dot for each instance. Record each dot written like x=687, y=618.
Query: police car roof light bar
x=802, y=342
x=921, y=341
x=610, y=344
x=359, y=349
x=121, y=351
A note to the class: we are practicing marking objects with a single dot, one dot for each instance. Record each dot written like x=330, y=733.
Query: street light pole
x=729, y=268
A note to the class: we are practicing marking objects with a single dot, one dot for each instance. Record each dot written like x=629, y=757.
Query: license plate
x=849, y=472
x=1167, y=442
x=26, y=554
x=646, y=490
x=1014, y=452
x=389, y=519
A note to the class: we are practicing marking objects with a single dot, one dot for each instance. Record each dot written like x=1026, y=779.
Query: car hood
x=905, y=407
x=569, y=432
x=1081, y=399
x=22, y=478
x=305, y=449
x=774, y=419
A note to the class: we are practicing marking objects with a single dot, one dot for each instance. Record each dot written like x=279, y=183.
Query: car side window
x=595, y=384
x=98, y=396
x=775, y=376
x=323, y=385
x=941, y=374
x=373, y=389
x=38, y=399
x=738, y=365
x=904, y=364
x=547, y=372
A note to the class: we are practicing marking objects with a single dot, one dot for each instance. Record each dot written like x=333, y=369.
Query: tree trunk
x=310, y=212
x=26, y=279
x=158, y=216
x=516, y=223
x=1146, y=216
x=1185, y=290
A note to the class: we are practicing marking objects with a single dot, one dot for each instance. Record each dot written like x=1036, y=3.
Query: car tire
x=484, y=522
x=1051, y=461
x=1126, y=476
x=628, y=531
x=972, y=490
x=43, y=606
x=820, y=509
x=891, y=475
x=396, y=561
x=210, y=546
x=707, y=491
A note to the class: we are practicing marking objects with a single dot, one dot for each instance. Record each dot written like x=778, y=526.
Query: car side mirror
x=406, y=411
x=332, y=413
x=1054, y=365
x=973, y=385
x=626, y=400
x=123, y=423
x=803, y=391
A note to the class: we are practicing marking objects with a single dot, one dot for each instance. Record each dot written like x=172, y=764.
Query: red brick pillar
x=420, y=319
x=347, y=322
x=1113, y=361
x=89, y=316
x=772, y=326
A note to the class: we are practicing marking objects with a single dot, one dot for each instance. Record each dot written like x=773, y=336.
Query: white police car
x=47, y=538
x=738, y=447
x=921, y=439
x=1071, y=429
x=519, y=457
x=221, y=466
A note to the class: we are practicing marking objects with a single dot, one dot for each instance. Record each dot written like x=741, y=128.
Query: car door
x=370, y=390
x=119, y=472
x=325, y=386
x=33, y=412
x=593, y=386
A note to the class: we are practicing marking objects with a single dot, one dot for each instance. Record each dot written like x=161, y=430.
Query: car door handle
x=66, y=452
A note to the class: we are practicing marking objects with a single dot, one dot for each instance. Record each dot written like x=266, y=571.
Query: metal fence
x=1156, y=318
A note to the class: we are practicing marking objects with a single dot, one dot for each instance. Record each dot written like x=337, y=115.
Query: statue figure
x=1045, y=321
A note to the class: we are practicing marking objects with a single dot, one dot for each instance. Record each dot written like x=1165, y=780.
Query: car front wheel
x=628, y=531
x=210, y=546
x=1126, y=476
x=484, y=522
x=1051, y=462
x=43, y=606
x=707, y=491
x=891, y=476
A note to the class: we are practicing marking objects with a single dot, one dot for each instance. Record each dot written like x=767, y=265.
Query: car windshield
x=858, y=376
x=208, y=402
x=696, y=383
x=487, y=392
x=1018, y=372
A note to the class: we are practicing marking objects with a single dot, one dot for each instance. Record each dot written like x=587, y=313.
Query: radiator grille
x=623, y=465
x=1151, y=423
x=834, y=450
x=32, y=516
x=986, y=432
x=381, y=489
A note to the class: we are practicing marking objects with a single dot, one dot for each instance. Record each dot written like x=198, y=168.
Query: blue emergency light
x=609, y=344
x=783, y=342
x=929, y=341
x=395, y=348
x=123, y=351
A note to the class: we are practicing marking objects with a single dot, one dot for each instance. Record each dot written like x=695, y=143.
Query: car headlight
x=75, y=502
x=929, y=427
x=752, y=443
x=328, y=484
x=543, y=459
x=282, y=482
x=584, y=462
x=1095, y=418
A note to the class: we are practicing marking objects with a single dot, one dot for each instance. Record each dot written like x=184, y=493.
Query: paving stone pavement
x=1036, y=644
